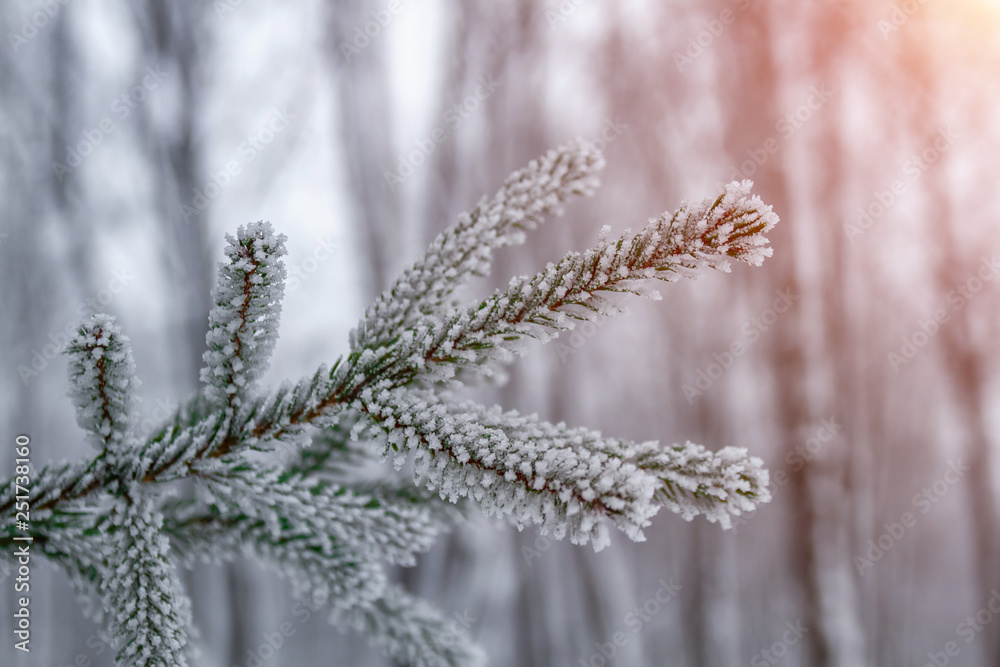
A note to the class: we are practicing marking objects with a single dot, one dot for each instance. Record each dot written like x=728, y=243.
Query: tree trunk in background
x=650, y=101
x=836, y=462
x=173, y=37
x=965, y=352
x=967, y=368
x=752, y=81
x=364, y=114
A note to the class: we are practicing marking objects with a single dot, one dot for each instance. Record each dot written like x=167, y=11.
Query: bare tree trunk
x=365, y=112
x=758, y=87
x=837, y=511
x=966, y=360
x=173, y=38
x=966, y=367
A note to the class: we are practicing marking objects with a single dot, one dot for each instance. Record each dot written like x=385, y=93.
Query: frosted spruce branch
x=708, y=235
x=148, y=612
x=308, y=515
x=566, y=480
x=465, y=249
x=102, y=386
x=375, y=525
x=321, y=569
x=243, y=325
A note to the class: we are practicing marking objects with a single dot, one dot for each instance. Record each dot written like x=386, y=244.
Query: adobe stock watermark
x=956, y=299
x=751, y=332
x=796, y=460
x=923, y=501
x=300, y=271
x=899, y=16
x=371, y=30
x=542, y=544
x=578, y=337
x=58, y=339
x=561, y=14
x=163, y=410
x=635, y=620
x=457, y=628
x=967, y=629
x=711, y=30
x=453, y=118
x=776, y=652
x=246, y=153
x=121, y=108
x=612, y=129
x=785, y=127
x=32, y=23
x=803, y=453
x=273, y=641
x=223, y=7
x=913, y=170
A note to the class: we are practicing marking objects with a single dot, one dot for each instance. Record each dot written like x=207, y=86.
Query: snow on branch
x=465, y=249
x=148, y=611
x=243, y=324
x=568, y=481
x=321, y=570
x=690, y=480
x=708, y=235
x=102, y=385
x=695, y=481
x=374, y=527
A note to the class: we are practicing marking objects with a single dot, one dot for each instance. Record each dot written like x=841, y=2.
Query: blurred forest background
x=134, y=135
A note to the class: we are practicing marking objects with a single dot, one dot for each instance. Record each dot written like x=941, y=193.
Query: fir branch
x=465, y=249
x=102, y=386
x=408, y=629
x=320, y=569
x=243, y=324
x=373, y=527
x=719, y=485
x=668, y=248
x=690, y=480
x=568, y=481
x=148, y=611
